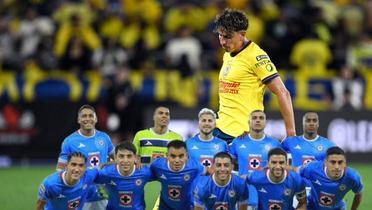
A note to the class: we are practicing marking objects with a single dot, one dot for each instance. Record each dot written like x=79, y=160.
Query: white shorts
x=95, y=205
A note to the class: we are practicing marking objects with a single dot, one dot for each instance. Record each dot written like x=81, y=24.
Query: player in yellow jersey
x=152, y=142
x=246, y=72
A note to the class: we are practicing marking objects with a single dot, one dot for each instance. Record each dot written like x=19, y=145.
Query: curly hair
x=231, y=20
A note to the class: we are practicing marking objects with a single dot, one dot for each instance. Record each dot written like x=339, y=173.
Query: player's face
x=335, y=165
x=176, y=158
x=206, y=124
x=87, y=119
x=125, y=159
x=75, y=168
x=277, y=164
x=222, y=168
x=161, y=116
x=231, y=41
x=257, y=121
x=311, y=123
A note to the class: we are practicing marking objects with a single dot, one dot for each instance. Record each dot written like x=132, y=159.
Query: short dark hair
x=335, y=151
x=177, y=144
x=276, y=151
x=86, y=106
x=76, y=154
x=125, y=146
x=231, y=20
x=222, y=155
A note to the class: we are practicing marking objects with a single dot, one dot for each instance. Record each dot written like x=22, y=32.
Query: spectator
x=347, y=89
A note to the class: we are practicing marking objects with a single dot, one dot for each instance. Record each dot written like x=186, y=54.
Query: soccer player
x=251, y=150
x=67, y=189
x=152, y=142
x=176, y=174
x=222, y=190
x=124, y=183
x=276, y=186
x=310, y=146
x=94, y=144
x=331, y=179
x=246, y=71
x=203, y=146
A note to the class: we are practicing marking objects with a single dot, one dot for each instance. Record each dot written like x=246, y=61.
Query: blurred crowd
x=116, y=37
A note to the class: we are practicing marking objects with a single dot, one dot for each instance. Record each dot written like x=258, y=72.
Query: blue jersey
x=252, y=153
x=209, y=195
x=304, y=151
x=176, y=186
x=203, y=151
x=59, y=195
x=326, y=193
x=125, y=192
x=277, y=195
x=96, y=148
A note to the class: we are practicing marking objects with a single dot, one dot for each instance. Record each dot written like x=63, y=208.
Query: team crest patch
x=125, y=199
x=207, y=162
x=287, y=192
x=94, y=160
x=174, y=192
x=275, y=206
x=73, y=204
x=342, y=187
x=186, y=177
x=216, y=147
x=326, y=199
x=320, y=148
x=221, y=206
x=138, y=182
x=306, y=160
x=254, y=163
x=100, y=143
x=231, y=193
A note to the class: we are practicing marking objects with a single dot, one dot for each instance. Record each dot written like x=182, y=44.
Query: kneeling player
x=276, y=186
x=222, y=190
x=331, y=180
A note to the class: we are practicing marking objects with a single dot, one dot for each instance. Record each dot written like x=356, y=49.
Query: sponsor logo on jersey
x=260, y=57
x=125, y=199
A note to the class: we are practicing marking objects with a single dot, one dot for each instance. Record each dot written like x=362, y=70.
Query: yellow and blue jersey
x=151, y=145
x=242, y=82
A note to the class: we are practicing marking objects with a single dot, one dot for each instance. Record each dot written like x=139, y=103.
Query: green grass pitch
x=18, y=189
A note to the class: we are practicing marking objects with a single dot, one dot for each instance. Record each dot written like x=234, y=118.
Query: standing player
x=204, y=146
x=176, y=174
x=94, y=144
x=124, y=183
x=251, y=150
x=276, y=186
x=222, y=190
x=67, y=189
x=152, y=142
x=246, y=71
x=331, y=180
x=310, y=146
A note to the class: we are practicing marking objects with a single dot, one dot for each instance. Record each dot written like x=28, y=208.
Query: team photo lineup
x=229, y=164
